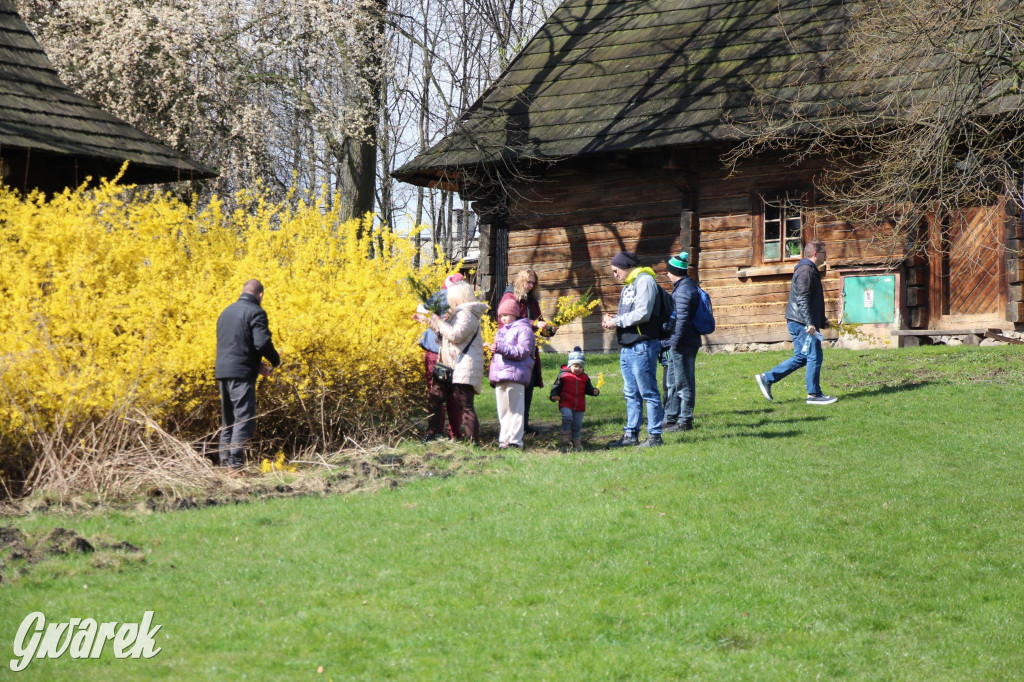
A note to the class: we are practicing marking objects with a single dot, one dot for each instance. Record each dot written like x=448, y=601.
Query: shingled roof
x=51, y=137
x=614, y=75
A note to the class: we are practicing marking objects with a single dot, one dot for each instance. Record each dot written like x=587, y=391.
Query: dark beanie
x=625, y=259
x=678, y=265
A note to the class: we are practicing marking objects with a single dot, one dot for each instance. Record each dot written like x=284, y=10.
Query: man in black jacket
x=805, y=316
x=682, y=346
x=243, y=340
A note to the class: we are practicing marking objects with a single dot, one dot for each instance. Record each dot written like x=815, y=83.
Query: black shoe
x=625, y=442
x=766, y=388
x=530, y=431
x=430, y=438
x=672, y=427
x=653, y=441
x=687, y=425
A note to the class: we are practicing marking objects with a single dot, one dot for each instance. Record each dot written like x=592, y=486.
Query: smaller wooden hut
x=52, y=138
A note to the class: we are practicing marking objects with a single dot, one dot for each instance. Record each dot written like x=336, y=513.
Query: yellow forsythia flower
x=109, y=301
x=488, y=328
x=571, y=308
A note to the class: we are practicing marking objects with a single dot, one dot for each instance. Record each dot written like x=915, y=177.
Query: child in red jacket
x=570, y=391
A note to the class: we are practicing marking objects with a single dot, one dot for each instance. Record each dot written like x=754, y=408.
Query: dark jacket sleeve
x=590, y=390
x=802, y=282
x=556, y=388
x=261, y=338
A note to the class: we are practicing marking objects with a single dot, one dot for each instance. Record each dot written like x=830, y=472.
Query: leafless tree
x=306, y=93
x=452, y=52
x=271, y=93
x=928, y=116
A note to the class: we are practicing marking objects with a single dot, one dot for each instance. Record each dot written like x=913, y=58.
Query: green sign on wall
x=869, y=299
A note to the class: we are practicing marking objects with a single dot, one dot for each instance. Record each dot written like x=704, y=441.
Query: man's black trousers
x=237, y=419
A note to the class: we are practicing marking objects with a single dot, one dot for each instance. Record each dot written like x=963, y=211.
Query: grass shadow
x=769, y=422
x=886, y=390
x=768, y=434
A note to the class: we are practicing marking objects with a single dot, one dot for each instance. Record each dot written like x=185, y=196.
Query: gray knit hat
x=576, y=357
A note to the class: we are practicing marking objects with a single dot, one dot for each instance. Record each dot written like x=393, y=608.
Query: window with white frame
x=782, y=228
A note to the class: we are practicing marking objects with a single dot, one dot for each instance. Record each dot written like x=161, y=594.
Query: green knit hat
x=678, y=265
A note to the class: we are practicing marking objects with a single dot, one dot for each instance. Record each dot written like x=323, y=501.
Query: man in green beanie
x=682, y=346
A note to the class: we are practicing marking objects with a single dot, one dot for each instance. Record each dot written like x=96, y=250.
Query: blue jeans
x=639, y=366
x=680, y=384
x=812, y=359
x=571, y=421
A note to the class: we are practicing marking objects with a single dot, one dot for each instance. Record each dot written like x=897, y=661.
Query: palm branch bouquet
x=433, y=301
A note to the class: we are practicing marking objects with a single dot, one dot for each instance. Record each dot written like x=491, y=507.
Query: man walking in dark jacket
x=805, y=316
x=243, y=340
x=682, y=346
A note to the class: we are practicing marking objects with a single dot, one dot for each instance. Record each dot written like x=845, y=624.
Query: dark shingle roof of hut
x=615, y=75
x=39, y=113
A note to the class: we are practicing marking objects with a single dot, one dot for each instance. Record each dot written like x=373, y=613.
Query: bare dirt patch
x=20, y=551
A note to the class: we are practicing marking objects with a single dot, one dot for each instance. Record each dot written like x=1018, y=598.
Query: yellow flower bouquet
x=571, y=308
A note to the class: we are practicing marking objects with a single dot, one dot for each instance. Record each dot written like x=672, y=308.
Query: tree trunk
x=359, y=167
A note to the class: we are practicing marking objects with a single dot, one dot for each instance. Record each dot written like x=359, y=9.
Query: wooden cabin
x=52, y=138
x=607, y=132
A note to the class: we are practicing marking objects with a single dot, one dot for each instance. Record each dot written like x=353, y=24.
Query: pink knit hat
x=452, y=279
x=508, y=307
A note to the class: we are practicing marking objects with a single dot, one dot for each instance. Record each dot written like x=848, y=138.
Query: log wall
x=568, y=226
x=750, y=306
x=1014, y=265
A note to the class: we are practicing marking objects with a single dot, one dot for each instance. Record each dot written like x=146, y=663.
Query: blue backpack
x=703, y=318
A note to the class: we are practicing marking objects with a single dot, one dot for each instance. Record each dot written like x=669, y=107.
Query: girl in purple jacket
x=511, y=370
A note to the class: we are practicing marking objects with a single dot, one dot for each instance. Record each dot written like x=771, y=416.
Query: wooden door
x=975, y=249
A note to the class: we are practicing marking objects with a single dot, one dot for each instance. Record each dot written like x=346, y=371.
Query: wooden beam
x=997, y=334
x=939, y=332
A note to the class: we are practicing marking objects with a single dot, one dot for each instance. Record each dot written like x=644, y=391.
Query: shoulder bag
x=443, y=374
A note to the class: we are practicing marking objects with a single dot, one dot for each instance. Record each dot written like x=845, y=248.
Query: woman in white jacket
x=462, y=349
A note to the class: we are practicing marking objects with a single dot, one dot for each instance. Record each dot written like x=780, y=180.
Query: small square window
x=782, y=229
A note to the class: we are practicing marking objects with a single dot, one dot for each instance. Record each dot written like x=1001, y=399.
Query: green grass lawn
x=877, y=538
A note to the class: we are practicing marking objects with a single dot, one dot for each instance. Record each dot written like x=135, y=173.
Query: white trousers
x=511, y=400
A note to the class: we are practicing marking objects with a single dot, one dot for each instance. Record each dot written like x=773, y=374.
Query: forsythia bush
x=109, y=305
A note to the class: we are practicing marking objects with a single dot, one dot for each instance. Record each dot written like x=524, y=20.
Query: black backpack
x=664, y=315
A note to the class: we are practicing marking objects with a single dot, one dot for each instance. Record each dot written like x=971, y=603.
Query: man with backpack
x=681, y=346
x=638, y=330
x=805, y=316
